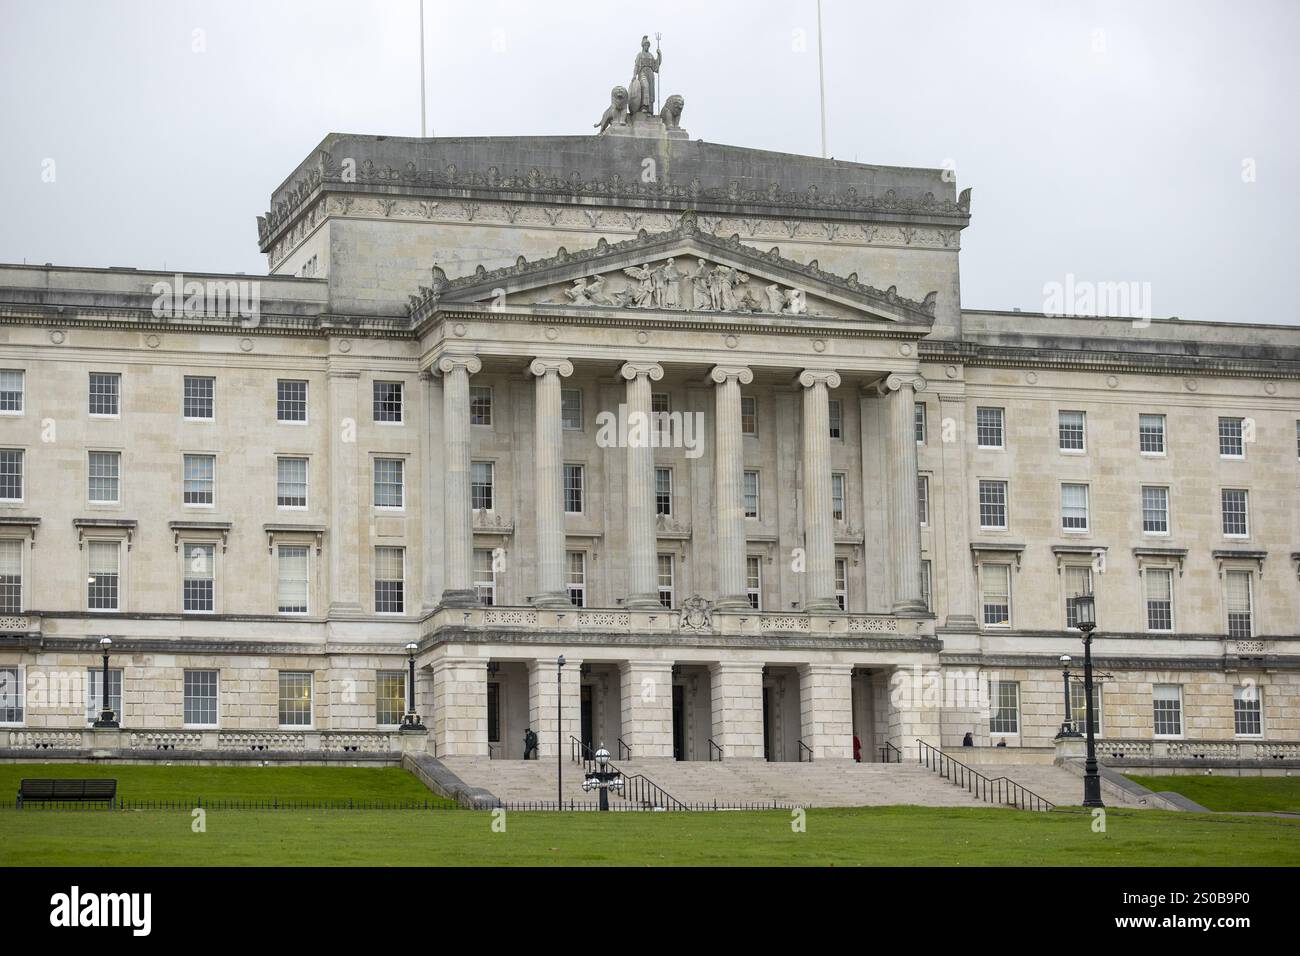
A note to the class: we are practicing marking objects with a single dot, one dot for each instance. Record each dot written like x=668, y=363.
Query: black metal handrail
x=890, y=754
x=637, y=787
x=492, y=750
x=622, y=749
x=1001, y=790
x=712, y=747
x=805, y=749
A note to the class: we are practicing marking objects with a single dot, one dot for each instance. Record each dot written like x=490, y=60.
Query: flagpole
x=422, y=82
x=821, y=76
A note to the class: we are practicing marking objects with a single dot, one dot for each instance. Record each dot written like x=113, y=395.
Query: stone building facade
x=710, y=422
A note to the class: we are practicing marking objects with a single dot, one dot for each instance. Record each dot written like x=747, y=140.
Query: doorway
x=679, y=722
x=767, y=724
x=586, y=731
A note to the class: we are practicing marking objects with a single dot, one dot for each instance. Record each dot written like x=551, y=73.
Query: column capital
x=896, y=380
x=825, y=376
x=653, y=370
x=541, y=366
x=724, y=373
x=451, y=360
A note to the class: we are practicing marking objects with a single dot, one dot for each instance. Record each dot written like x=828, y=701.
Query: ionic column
x=904, y=520
x=457, y=518
x=642, y=561
x=819, y=527
x=729, y=473
x=345, y=543
x=548, y=458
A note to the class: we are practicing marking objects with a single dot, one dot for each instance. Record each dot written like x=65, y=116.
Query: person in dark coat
x=530, y=744
x=968, y=740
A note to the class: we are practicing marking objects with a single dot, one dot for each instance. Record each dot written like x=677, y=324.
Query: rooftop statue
x=641, y=91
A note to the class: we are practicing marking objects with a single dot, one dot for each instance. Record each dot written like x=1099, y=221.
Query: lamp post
x=1067, y=728
x=1085, y=617
x=559, y=732
x=602, y=778
x=107, y=719
x=411, y=722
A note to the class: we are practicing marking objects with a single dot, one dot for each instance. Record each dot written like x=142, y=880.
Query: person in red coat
x=857, y=749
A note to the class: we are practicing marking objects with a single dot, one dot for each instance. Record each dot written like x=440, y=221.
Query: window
x=1231, y=444
x=200, y=480
x=754, y=581
x=842, y=583
x=291, y=482
x=104, y=477
x=1238, y=600
x=1005, y=698
x=295, y=699
x=1159, y=586
x=749, y=415
x=920, y=423
x=927, y=594
x=571, y=408
x=667, y=583
x=11, y=474
x=988, y=427
x=103, y=558
x=993, y=505
x=1247, y=711
x=390, y=697
x=1079, y=709
x=835, y=415
x=1070, y=431
x=1078, y=581
x=837, y=496
x=11, y=575
x=1167, y=710
x=660, y=413
x=573, y=489
x=198, y=578
x=481, y=478
x=663, y=491
x=11, y=391
x=494, y=711
x=751, y=494
x=290, y=401
x=485, y=577
x=11, y=695
x=1074, y=507
x=1155, y=510
x=923, y=499
x=389, y=482
x=95, y=693
x=1151, y=434
x=197, y=398
x=480, y=404
x=388, y=402
x=105, y=392
x=1235, y=513
x=390, y=580
x=201, y=698
x=995, y=594
x=576, y=566
x=291, y=581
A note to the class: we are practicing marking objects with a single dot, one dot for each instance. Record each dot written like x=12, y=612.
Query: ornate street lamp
x=107, y=719
x=559, y=732
x=411, y=722
x=1085, y=617
x=602, y=778
x=1067, y=728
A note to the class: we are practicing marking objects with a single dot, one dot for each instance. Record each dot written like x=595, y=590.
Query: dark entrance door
x=586, y=720
x=767, y=725
x=679, y=722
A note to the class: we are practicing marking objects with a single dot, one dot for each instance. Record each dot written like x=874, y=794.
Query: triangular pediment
x=683, y=270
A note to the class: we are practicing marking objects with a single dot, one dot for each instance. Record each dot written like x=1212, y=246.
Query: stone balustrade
x=1119, y=752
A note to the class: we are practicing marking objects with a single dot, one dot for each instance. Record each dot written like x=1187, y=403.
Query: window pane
x=11, y=695
x=104, y=476
x=664, y=491
x=104, y=388
x=571, y=408
x=485, y=579
x=292, y=583
x=388, y=401
x=197, y=398
x=1078, y=581
x=389, y=478
x=1247, y=711
x=102, y=581
x=748, y=415
x=480, y=404
x=835, y=414
x=291, y=401
x=576, y=565
x=1167, y=710
x=199, y=479
x=11, y=390
x=390, y=697
x=995, y=589
x=1230, y=438
x=201, y=698
x=95, y=693
x=1155, y=510
x=295, y=699
x=1159, y=597
x=666, y=581
x=1005, y=698
x=1074, y=507
x=1071, y=431
x=481, y=478
x=11, y=575
x=199, y=577
x=390, y=575
x=291, y=482
x=993, y=504
x=1235, y=520
x=573, y=489
x=751, y=494
x=988, y=427
x=11, y=474
x=1151, y=434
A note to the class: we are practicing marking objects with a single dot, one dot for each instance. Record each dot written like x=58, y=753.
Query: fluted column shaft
x=904, y=519
x=642, y=549
x=819, y=526
x=548, y=458
x=729, y=472
x=458, y=520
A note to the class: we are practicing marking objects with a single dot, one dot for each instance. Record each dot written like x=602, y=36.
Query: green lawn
x=876, y=836
x=1231, y=793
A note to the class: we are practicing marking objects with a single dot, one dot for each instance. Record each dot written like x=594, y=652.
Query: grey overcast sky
x=1146, y=141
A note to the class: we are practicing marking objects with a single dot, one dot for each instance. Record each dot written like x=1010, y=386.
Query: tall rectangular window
x=749, y=415
x=1005, y=700
x=198, y=578
x=104, y=477
x=1078, y=581
x=390, y=697
x=1231, y=434
x=1159, y=586
x=571, y=409
x=11, y=474
x=661, y=414
x=837, y=496
x=754, y=581
x=387, y=401
x=1167, y=710
x=11, y=391
x=295, y=698
x=11, y=575
x=667, y=580
x=485, y=577
x=291, y=579
x=390, y=580
x=291, y=482
x=919, y=422
x=1074, y=507
x=102, y=582
x=835, y=416
x=200, y=480
x=95, y=693
x=200, y=698
x=993, y=505
x=663, y=491
x=989, y=427
x=842, y=583
x=1247, y=711
x=290, y=400
x=751, y=494
x=573, y=490
x=1071, y=431
x=480, y=404
x=995, y=594
x=1155, y=509
x=923, y=499
x=1238, y=599
x=12, y=696
x=1235, y=507
x=482, y=479
x=927, y=587
x=197, y=403
x=576, y=568
x=1151, y=434
x=105, y=393
x=390, y=483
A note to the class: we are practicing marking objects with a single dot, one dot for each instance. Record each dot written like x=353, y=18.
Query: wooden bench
x=68, y=790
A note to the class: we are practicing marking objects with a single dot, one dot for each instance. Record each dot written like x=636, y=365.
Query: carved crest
x=697, y=614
